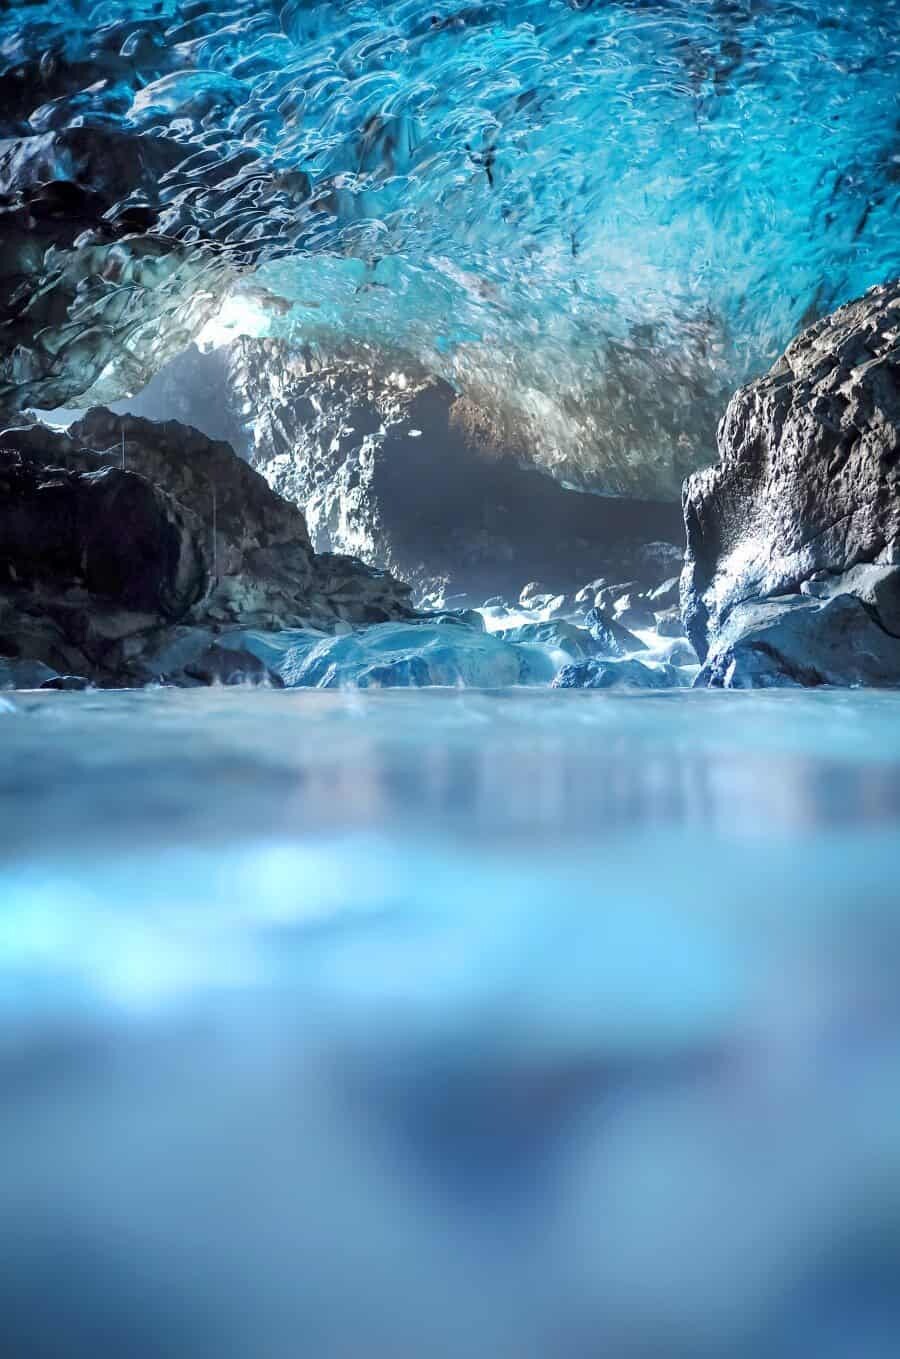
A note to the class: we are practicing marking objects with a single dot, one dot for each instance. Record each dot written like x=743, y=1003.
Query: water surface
x=450, y=1023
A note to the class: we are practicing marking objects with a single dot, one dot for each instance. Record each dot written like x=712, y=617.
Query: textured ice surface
x=392, y=655
x=428, y=655
x=547, y=1024
x=598, y=217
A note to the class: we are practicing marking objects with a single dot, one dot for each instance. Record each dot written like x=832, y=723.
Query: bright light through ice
x=237, y=316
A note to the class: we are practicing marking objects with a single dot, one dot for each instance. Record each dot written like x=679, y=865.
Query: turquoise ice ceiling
x=595, y=218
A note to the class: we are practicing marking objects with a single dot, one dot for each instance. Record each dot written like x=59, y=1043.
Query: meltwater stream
x=447, y=1023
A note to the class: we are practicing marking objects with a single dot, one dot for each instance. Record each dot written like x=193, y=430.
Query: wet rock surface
x=616, y=674
x=793, y=538
x=99, y=561
x=795, y=640
x=611, y=636
x=111, y=530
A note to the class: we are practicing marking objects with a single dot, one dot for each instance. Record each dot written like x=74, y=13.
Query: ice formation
x=595, y=218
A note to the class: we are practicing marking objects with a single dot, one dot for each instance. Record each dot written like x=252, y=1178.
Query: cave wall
x=394, y=467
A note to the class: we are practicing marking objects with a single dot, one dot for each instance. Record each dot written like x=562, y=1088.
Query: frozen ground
x=399, y=1023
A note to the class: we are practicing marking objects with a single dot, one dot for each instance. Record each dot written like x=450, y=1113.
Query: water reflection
x=533, y=1025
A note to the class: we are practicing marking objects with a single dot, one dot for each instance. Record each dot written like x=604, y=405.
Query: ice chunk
x=607, y=674
x=391, y=655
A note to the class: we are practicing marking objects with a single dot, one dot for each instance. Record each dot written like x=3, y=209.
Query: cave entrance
x=389, y=465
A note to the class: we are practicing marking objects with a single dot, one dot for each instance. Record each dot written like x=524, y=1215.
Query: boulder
x=534, y=595
x=607, y=597
x=68, y=683
x=802, y=512
x=801, y=641
x=611, y=636
x=616, y=674
x=678, y=652
x=466, y=618
x=18, y=673
x=410, y=655
x=560, y=606
x=632, y=612
x=230, y=665
x=665, y=596
x=588, y=593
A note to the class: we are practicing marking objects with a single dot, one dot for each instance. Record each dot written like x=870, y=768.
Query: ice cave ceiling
x=595, y=217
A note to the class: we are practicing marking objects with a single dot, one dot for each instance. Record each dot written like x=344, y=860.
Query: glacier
x=594, y=219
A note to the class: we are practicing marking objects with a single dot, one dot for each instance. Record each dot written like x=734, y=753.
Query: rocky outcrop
x=792, y=569
x=799, y=641
x=121, y=535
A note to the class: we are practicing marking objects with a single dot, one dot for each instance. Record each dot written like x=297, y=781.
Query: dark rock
x=265, y=572
x=615, y=674
x=806, y=490
x=660, y=559
x=231, y=665
x=614, y=639
x=110, y=530
x=21, y=673
x=97, y=561
x=137, y=544
x=799, y=641
x=73, y=683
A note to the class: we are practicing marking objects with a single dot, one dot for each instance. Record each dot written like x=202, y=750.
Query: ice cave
x=450, y=679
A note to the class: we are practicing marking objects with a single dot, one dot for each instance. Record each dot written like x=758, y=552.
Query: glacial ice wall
x=595, y=217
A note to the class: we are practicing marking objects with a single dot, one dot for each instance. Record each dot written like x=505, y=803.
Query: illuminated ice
x=404, y=655
x=594, y=218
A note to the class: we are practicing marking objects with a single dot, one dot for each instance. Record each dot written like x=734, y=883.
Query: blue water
x=431, y=1022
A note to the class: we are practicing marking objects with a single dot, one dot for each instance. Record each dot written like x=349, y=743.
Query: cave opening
x=390, y=464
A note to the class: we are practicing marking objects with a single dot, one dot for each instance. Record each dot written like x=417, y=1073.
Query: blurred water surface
x=450, y=1023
